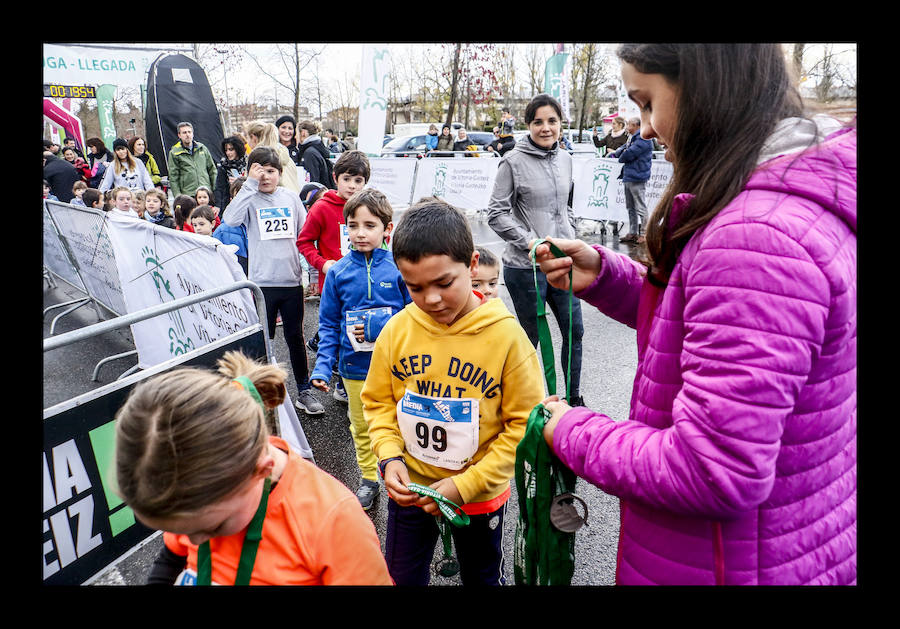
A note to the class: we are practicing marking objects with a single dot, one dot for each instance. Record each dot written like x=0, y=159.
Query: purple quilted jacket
x=737, y=464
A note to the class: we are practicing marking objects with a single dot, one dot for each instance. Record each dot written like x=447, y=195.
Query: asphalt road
x=609, y=361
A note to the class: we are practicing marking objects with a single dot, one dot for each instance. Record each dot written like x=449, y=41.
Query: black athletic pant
x=288, y=302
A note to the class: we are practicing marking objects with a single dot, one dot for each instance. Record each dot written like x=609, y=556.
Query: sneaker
x=313, y=345
x=576, y=400
x=306, y=401
x=367, y=493
x=340, y=394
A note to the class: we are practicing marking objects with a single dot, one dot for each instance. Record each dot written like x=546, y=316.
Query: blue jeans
x=412, y=534
x=520, y=284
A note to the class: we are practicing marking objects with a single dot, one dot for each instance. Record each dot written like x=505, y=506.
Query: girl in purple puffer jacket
x=737, y=463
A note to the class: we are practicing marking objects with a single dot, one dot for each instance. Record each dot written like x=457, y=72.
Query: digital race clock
x=69, y=91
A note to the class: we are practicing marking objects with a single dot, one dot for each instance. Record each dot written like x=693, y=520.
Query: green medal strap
x=254, y=529
x=451, y=513
x=544, y=339
x=544, y=551
x=248, y=550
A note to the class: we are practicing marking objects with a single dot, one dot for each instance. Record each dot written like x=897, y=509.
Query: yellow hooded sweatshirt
x=486, y=356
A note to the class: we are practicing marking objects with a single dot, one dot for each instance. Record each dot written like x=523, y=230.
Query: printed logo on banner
x=440, y=180
x=179, y=341
x=600, y=182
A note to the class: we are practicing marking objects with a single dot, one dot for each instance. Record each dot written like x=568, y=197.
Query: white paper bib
x=275, y=223
x=439, y=431
x=356, y=317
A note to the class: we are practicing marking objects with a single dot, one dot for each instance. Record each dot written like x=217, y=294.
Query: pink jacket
x=737, y=463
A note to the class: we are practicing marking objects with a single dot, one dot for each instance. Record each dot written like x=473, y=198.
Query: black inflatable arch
x=178, y=90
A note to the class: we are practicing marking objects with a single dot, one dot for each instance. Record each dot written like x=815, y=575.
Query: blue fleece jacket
x=635, y=155
x=355, y=284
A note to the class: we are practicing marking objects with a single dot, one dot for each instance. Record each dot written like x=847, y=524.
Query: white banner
x=373, y=97
x=159, y=265
x=88, y=242
x=55, y=257
x=599, y=193
x=82, y=65
x=465, y=182
x=394, y=177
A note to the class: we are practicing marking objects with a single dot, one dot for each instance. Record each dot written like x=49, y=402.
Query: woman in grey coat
x=532, y=198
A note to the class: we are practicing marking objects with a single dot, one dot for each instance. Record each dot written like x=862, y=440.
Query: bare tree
x=284, y=66
x=535, y=64
x=590, y=71
x=454, y=84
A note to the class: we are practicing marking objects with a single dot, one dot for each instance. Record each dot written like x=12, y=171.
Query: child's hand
x=396, y=478
x=359, y=331
x=255, y=171
x=445, y=487
x=328, y=264
x=319, y=384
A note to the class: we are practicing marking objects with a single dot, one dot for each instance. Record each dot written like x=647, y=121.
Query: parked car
x=414, y=145
x=405, y=146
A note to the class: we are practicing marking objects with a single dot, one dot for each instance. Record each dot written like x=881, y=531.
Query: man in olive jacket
x=190, y=163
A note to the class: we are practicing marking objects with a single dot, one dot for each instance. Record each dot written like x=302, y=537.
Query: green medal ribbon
x=544, y=551
x=254, y=529
x=248, y=550
x=450, y=512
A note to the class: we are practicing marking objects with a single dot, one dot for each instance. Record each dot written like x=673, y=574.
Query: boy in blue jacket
x=636, y=156
x=362, y=291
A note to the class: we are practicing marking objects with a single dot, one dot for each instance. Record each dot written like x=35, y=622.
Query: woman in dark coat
x=232, y=165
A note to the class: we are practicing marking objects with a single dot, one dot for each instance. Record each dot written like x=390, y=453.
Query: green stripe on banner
x=103, y=442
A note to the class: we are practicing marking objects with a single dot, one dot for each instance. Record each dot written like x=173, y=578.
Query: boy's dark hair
x=204, y=211
x=486, y=257
x=264, y=156
x=91, y=196
x=432, y=227
x=374, y=200
x=353, y=163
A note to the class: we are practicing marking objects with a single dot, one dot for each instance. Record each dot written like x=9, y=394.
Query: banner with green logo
x=106, y=95
x=556, y=80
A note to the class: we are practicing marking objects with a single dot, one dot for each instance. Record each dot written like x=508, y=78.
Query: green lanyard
x=451, y=513
x=254, y=529
x=543, y=327
x=248, y=550
x=544, y=551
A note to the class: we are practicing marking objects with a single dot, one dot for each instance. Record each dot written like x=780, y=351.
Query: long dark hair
x=730, y=97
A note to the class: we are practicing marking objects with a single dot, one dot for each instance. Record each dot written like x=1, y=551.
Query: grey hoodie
x=531, y=199
x=273, y=263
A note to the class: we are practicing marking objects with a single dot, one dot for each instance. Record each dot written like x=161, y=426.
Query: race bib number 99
x=275, y=223
x=439, y=431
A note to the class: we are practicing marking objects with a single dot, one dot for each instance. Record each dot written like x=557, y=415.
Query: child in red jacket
x=319, y=240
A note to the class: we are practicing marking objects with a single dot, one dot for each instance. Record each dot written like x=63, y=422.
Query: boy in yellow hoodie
x=453, y=378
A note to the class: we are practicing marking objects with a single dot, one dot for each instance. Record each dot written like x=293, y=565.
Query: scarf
x=239, y=164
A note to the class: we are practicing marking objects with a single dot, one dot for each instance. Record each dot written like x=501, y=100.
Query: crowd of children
x=381, y=339
x=378, y=332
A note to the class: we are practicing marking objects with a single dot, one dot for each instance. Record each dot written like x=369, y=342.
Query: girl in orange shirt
x=194, y=458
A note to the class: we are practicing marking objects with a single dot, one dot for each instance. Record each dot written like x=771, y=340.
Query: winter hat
x=284, y=119
x=309, y=191
x=119, y=142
